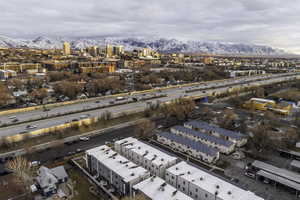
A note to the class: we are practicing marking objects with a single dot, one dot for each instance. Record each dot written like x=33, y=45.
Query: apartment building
x=6, y=74
x=201, y=185
x=237, y=138
x=195, y=149
x=155, y=188
x=224, y=146
x=152, y=159
x=118, y=171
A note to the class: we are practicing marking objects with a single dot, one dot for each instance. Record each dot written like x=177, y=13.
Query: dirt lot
x=9, y=187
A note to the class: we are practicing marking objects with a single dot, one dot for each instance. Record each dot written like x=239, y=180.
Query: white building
x=155, y=188
x=145, y=155
x=118, y=171
x=190, y=147
x=201, y=185
x=224, y=146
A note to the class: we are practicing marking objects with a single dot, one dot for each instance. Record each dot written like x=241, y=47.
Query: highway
x=199, y=90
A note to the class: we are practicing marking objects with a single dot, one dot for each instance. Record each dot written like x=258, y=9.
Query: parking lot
x=265, y=190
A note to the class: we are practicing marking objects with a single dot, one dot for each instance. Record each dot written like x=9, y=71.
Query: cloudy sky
x=270, y=22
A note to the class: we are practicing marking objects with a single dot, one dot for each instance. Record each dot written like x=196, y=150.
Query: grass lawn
x=82, y=186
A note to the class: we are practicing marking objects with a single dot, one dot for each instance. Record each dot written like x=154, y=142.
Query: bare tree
x=260, y=92
x=145, y=128
x=22, y=170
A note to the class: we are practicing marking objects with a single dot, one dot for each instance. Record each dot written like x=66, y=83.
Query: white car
x=85, y=116
x=84, y=138
x=31, y=126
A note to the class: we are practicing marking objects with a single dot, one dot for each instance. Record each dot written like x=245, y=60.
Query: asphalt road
x=62, y=151
x=172, y=93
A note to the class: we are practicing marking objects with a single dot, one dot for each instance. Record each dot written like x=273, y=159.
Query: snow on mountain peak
x=158, y=44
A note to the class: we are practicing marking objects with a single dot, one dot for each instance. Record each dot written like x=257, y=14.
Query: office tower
x=67, y=48
x=109, y=51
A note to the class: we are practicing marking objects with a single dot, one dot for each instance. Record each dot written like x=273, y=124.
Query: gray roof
x=203, y=136
x=59, y=172
x=284, y=173
x=295, y=163
x=198, y=146
x=45, y=177
x=210, y=127
x=279, y=179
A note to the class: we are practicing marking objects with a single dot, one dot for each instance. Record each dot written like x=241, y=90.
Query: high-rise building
x=146, y=52
x=109, y=51
x=67, y=48
x=94, y=51
x=118, y=50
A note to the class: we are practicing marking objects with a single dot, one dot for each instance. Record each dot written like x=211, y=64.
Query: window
x=206, y=195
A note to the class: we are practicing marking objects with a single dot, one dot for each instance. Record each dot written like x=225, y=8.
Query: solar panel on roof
x=198, y=146
x=203, y=136
x=210, y=127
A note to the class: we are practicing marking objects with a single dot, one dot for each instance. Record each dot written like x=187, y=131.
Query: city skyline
x=265, y=22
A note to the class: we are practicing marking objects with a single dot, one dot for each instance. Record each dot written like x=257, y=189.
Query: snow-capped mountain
x=158, y=44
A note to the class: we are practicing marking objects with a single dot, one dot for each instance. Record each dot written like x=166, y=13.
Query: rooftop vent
x=229, y=193
x=174, y=193
x=201, y=178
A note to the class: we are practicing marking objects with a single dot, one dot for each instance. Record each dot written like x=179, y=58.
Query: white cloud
x=271, y=22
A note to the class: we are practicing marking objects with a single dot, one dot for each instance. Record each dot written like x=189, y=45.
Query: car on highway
x=12, y=117
x=84, y=116
x=230, y=108
x=120, y=98
x=31, y=126
x=84, y=138
x=15, y=120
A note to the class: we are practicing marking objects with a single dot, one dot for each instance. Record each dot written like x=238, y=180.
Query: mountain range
x=159, y=44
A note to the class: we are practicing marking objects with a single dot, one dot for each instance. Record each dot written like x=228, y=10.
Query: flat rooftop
x=117, y=163
x=284, y=173
x=210, y=183
x=156, y=156
x=157, y=189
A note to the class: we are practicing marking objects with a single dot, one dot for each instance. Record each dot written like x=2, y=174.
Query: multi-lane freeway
x=92, y=107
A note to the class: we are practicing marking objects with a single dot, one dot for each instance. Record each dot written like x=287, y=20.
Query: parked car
x=35, y=163
x=250, y=174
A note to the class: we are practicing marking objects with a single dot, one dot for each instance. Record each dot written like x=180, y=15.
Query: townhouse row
x=188, y=146
x=237, y=138
x=134, y=167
